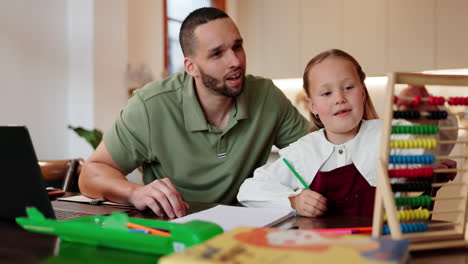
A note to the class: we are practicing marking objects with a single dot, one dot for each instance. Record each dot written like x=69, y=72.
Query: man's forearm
x=100, y=180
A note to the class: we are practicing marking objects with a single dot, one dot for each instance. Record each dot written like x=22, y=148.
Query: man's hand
x=309, y=203
x=160, y=196
x=448, y=164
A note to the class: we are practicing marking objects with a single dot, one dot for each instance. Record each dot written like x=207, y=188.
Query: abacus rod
x=447, y=211
x=423, y=99
x=452, y=157
x=430, y=79
x=439, y=211
x=449, y=184
x=453, y=142
x=448, y=198
x=432, y=234
x=408, y=98
x=452, y=128
x=449, y=170
x=442, y=224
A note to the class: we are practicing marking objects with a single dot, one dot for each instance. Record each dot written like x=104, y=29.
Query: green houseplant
x=93, y=137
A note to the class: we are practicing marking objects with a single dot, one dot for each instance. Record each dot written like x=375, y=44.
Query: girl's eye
x=349, y=87
x=326, y=94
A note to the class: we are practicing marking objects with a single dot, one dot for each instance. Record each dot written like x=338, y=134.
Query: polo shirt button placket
x=221, y=147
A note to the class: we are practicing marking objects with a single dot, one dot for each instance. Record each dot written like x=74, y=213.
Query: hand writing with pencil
x=309, y=203
x=160, y=196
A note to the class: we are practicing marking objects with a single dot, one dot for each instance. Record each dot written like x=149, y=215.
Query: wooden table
x=20, y=246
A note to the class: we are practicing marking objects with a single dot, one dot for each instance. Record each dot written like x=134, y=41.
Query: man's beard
x=211, y=83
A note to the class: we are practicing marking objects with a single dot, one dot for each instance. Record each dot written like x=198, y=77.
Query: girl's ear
x=190, y=67
x=310, y=106
x=364, y=89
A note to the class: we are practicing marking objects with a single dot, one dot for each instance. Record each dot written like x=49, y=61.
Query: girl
x=337, y=160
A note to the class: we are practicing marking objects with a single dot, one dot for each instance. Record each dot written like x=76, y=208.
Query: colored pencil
x=149, y=229
x=296, y=174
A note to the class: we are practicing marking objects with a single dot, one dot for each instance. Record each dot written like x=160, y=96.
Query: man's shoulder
x=261, y=87
x=258, y=83
x=165, y=87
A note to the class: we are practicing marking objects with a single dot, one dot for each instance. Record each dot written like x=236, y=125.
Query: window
x=174, y=13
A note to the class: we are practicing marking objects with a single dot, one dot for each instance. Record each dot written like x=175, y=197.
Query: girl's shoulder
x=313, y=137
x=369, y=133
x=309, y=142
x=371, y=126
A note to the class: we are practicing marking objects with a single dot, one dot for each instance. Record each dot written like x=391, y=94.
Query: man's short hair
x=191, y=22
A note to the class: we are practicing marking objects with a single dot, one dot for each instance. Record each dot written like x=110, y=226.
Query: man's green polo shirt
x=163, y=127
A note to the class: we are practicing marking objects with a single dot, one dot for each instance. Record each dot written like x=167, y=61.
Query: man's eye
x=216, y=54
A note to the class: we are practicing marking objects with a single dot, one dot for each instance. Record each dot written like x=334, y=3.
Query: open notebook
x=230, y=217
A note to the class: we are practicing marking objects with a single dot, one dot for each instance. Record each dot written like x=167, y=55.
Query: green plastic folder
x=111, y=231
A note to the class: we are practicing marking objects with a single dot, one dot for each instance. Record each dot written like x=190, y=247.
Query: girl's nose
x=340, y=98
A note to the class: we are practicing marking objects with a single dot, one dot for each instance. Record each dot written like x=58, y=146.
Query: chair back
x=62, y=173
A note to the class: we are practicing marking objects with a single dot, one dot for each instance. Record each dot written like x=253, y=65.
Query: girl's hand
x=309, y=203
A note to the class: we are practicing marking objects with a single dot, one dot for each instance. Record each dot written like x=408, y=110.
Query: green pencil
x=296, y=174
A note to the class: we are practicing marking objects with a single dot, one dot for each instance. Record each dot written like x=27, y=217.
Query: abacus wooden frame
x=384, y=199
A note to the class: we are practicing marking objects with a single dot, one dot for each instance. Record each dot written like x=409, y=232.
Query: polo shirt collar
x=241, y=104
x=194, y=117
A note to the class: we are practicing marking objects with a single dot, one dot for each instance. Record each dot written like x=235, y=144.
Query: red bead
x=451, y=101
x=440, y=100
x=416, y=100
x=431, y=100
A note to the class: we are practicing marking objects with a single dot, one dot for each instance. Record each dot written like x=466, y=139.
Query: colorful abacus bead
x=458, y=101
x=410, y=215
x=412, y=159
x=437, y=115
x=426, y=172
x=435, y=100
x=428, y=143
x=416, y=100
x=407, y=228
x=406, y=115
x=420, y=129
x=411, y=187
x=423, y=200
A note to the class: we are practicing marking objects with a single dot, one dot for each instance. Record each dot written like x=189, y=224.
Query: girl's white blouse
x=273, y=183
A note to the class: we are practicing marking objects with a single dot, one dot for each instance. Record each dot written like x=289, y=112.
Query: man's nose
x=233, y=59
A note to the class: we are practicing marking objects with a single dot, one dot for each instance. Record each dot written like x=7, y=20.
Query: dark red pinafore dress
x=346, y=190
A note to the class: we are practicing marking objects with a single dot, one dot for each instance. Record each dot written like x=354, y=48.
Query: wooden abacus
x=388, y=220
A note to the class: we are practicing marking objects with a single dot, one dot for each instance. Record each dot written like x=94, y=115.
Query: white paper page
x=84, y=199
x=230, y=217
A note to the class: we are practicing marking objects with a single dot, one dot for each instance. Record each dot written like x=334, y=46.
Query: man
x=198, y=134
